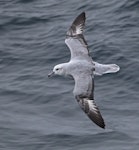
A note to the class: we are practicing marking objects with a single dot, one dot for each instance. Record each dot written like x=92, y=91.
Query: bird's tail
x=101, y=69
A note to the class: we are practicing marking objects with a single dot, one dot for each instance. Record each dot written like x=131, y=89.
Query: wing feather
x=75, y=39
x=91, y=110
x=84, y=94
x=77, y=25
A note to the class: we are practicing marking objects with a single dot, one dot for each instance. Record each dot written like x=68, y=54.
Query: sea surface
x=38, y=113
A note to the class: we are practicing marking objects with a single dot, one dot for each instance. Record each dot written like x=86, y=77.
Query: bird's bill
x=50, y=74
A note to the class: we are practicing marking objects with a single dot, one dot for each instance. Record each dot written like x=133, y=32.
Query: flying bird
x=82, y=68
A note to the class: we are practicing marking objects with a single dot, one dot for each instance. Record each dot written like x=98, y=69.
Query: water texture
x=37, y=113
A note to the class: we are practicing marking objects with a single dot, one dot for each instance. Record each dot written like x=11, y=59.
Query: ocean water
x=37, y=113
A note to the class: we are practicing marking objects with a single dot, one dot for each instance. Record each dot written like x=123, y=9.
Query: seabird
x=82, y=68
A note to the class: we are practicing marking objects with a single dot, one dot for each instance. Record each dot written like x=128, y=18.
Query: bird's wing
x=75, y=39
x=83, y=91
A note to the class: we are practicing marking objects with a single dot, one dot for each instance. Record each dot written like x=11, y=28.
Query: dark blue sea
x=38, y=113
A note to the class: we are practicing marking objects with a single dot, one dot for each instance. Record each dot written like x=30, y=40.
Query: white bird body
x=82, y=68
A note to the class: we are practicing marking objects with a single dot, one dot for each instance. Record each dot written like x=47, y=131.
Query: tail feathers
x=101, y=69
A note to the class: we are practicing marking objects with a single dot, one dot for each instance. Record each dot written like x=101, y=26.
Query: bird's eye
x=57, y=69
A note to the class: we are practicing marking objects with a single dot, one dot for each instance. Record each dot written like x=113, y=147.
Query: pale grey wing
x=77, y=48
x=83, y=91
x=75, y=39
x=101, y=69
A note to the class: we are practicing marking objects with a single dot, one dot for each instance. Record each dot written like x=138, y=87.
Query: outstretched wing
x=92, y=111
x=77, y=25
x=75, y=39
x=83, y=91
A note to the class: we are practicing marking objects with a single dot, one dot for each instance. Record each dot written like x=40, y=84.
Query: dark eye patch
x=57, y=69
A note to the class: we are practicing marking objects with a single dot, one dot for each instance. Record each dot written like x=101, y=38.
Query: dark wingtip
x=83, y=14
x=103, y=126
x=79, y=23
x=80, y=19
x=96, y=116
x=101, y=123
